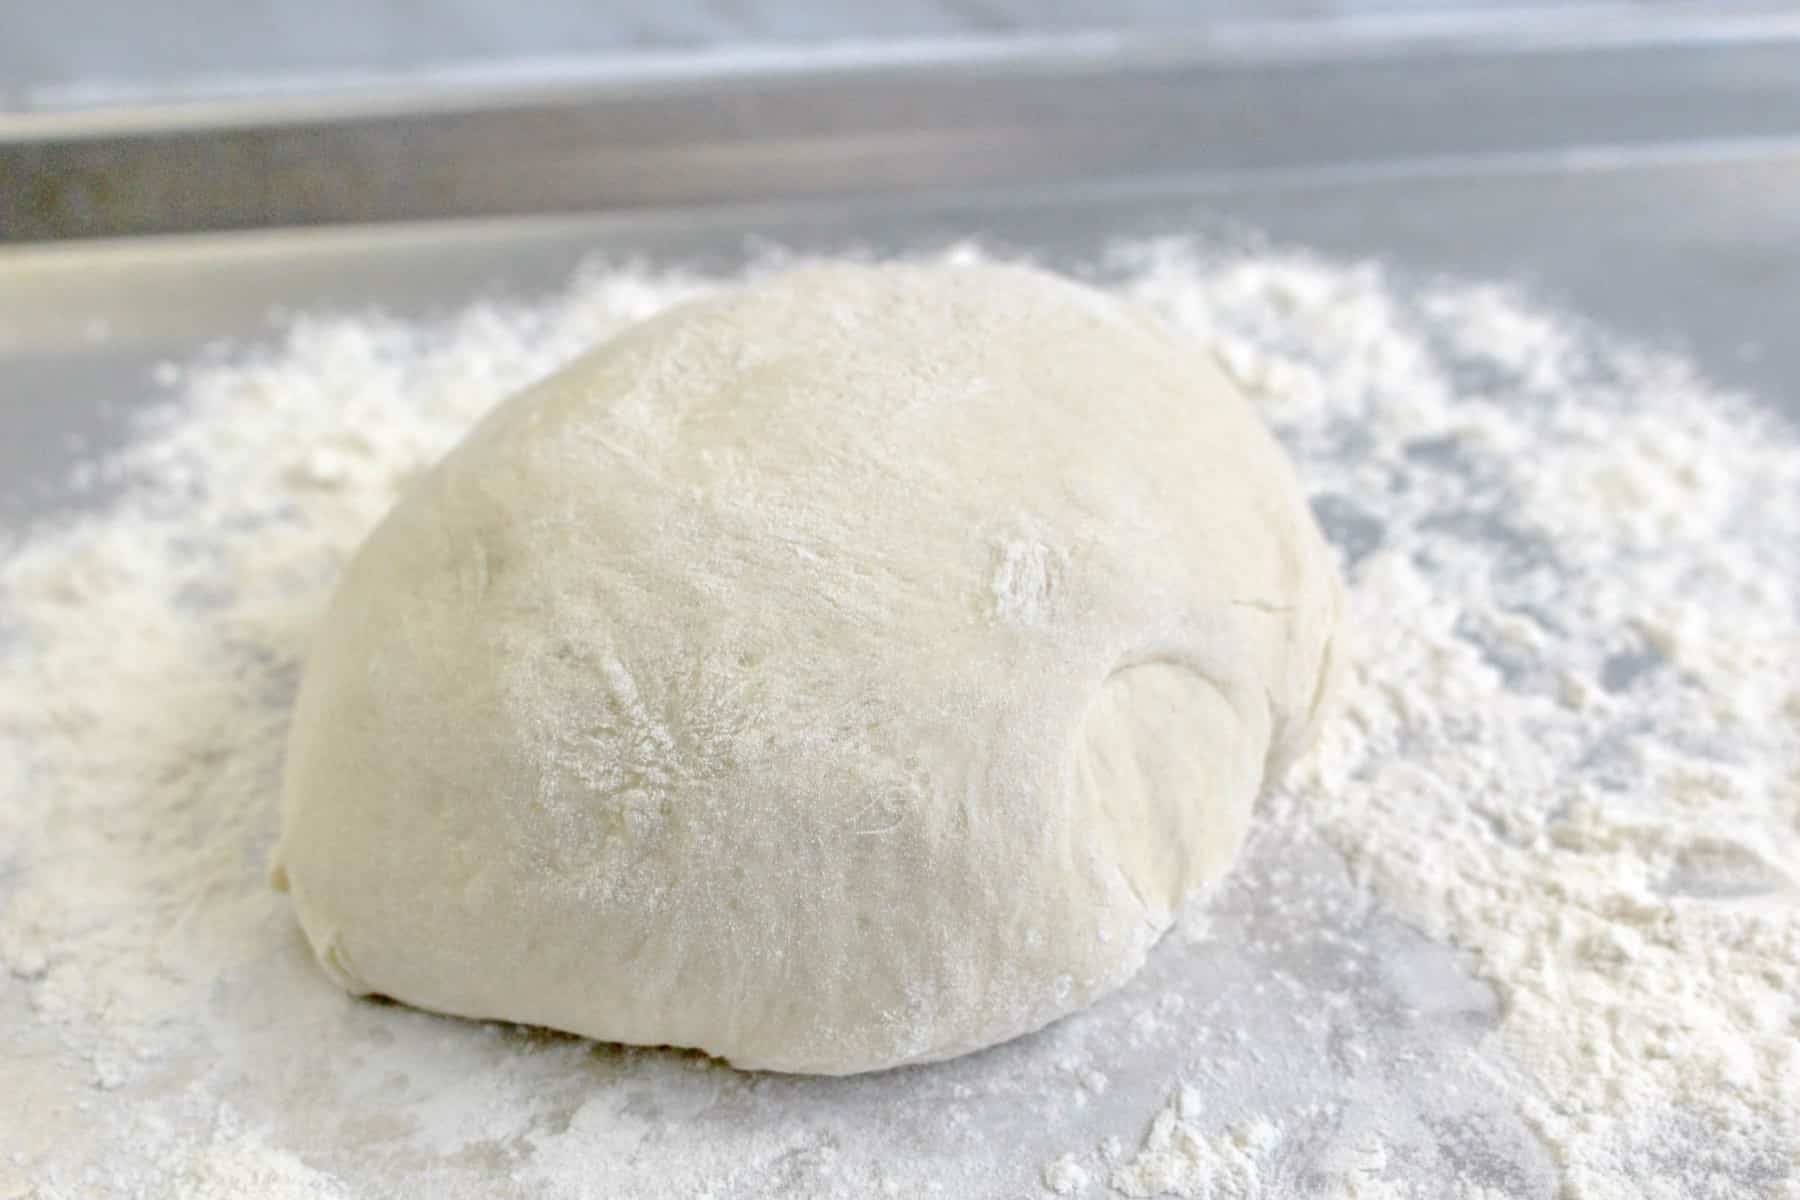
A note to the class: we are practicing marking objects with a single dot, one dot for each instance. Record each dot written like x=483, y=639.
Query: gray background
x=71, y=53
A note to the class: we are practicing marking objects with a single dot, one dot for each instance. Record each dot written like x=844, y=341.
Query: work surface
x=1661, y=202
x=97, y=51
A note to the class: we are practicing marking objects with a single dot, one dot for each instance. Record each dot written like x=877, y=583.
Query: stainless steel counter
x=1648, y=177
x=83, y=52
x=1647, y=174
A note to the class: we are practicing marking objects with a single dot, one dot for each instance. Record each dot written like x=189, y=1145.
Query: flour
x=1527, y=924
x=1260, y=1158
x=1177, y=1159
x=1584, y=616
x=1066, y=1176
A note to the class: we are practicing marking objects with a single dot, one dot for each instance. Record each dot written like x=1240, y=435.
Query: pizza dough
x=855, y=669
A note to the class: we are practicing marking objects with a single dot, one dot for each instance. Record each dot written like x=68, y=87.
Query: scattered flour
x=1177, y=1159
x=1066, y=1176
x=236, y=1163
x=1572, y=742
x=1570, y=750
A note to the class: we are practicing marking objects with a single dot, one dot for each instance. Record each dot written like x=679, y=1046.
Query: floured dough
x=854, y=669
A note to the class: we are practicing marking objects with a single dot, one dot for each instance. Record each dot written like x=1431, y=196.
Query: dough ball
x=854, y=669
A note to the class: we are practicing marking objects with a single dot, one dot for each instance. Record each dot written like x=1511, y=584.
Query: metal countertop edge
x=314, y=97
x=786, y=125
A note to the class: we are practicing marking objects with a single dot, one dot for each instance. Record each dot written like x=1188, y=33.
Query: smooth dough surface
x=853, y=669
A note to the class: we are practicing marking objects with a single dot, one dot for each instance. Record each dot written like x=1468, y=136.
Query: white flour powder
x=1528, y=924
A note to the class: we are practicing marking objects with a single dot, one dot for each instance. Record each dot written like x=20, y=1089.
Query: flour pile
x=1527, y=924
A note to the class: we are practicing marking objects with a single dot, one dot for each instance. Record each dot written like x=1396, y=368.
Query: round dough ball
x=854, y=669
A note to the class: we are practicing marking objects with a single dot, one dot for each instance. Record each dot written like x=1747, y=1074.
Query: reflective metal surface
x=1650, y=184
x=858, y=123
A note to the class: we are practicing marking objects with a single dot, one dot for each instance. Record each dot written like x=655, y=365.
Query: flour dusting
x=1178, y=1159
x=1578, y=675
x=1526, y=925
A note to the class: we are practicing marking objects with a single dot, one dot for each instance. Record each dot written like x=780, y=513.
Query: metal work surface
x=1654, y=185
x=1651, y=184
x=861, y=124
x=90, y=52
